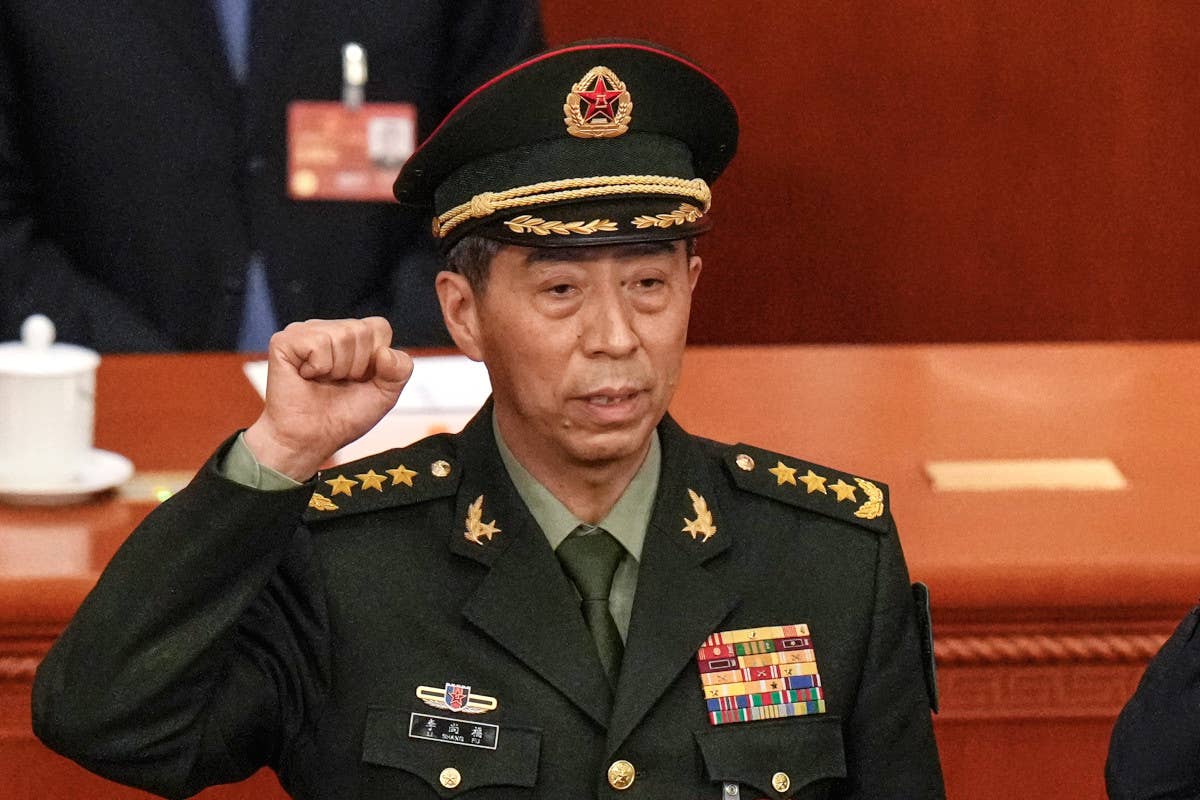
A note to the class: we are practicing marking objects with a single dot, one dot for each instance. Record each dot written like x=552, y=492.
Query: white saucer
x=99, y=471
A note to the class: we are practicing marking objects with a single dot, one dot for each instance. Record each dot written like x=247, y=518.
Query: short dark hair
x=471, y=257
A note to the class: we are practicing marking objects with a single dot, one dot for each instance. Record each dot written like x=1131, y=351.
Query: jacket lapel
x=525, y=602
x=678, y=602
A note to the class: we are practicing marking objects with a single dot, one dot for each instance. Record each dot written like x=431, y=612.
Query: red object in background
x=953, y=171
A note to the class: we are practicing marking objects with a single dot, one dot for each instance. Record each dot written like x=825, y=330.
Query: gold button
x=440, y=469
x=744, y=462
x=450, y=777
x=621, y=775
x=781, y=782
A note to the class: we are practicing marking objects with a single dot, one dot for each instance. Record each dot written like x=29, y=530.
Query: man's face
x=584, y=345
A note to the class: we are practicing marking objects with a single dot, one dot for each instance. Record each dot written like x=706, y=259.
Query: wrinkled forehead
x=626, y=251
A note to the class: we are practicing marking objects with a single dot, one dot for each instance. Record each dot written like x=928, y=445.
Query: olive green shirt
x=627, y=521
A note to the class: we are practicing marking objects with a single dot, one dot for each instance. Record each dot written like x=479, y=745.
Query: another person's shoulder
x=767, y=477
x=427, y=470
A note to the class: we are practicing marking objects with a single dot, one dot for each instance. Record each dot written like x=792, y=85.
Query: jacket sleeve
x=202, y=650
x=1155, y=746
x=890, y=749
x=37, y=273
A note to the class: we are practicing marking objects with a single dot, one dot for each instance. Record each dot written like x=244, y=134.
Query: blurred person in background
x=1155, y=747
x=146, y=200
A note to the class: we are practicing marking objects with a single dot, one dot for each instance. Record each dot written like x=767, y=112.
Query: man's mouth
x=611, y=398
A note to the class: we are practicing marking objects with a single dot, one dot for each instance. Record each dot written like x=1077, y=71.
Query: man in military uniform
x=571, y=598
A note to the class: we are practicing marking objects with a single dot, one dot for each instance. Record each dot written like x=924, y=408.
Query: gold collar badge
x=702, y=525
x=599, y=106
x=477, y=529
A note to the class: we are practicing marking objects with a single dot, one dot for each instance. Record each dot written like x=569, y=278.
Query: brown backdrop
x=956, y=171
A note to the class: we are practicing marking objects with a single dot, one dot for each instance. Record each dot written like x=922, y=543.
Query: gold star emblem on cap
x=401, y=474
x=371, y=480
x=814, y=482
x=341, y=485
x=783, y=474
x=844, y=491
x=599, y=106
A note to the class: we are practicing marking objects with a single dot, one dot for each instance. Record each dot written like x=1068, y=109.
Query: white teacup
x=47, y=407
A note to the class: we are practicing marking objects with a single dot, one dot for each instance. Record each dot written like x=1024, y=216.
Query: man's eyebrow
x=575, y=254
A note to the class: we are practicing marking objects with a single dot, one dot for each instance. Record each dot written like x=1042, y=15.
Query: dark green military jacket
x=319, y=630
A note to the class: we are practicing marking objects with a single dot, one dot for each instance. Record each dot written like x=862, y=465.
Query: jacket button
x=621, y=775
x=450, y=777
x=781, y=782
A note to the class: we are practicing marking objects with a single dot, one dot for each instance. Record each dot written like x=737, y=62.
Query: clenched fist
x=328, y=383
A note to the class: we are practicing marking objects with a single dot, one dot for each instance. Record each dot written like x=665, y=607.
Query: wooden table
x=1046, y=603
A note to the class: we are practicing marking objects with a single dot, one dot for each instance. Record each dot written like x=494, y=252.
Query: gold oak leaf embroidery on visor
x=680, y=216
x=528, y=224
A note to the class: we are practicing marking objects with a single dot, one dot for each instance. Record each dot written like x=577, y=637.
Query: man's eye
x=650, y=283
x=561, y=289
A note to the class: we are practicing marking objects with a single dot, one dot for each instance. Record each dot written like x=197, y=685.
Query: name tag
x=453, y=731
x=341, y=153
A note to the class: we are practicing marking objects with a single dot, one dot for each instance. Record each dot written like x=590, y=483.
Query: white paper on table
x=1025, y=474
x=442, y=396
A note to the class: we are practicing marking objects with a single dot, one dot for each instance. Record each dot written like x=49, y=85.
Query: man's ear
x=460, y=310
x=694, y=266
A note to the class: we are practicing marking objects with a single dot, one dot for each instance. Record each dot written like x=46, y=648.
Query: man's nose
x=608, y=326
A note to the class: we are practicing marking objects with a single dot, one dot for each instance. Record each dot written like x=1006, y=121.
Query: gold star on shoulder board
x=477, y=529
x=341, y=485
x=370, y=480
x=401, y=474
x=844, y=491
x=702, y=525
x=783, y=474
x=814, y=482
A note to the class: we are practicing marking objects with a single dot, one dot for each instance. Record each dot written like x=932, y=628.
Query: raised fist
x=328, y=383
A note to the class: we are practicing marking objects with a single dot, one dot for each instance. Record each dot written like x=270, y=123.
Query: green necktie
x=590, y=557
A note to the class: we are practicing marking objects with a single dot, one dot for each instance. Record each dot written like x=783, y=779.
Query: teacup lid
x=37, y=353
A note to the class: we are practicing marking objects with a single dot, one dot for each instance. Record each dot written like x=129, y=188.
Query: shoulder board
x=424, y=471
x=831, y=492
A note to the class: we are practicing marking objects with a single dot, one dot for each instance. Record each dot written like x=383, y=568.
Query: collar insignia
x=599, y=106
x=477, y=529
x=456, y=697
x=702, y=525
x=321, y=503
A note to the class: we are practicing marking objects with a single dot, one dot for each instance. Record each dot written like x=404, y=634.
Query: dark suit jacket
x=1155, y=746
x=236, y=629
x=136, y=176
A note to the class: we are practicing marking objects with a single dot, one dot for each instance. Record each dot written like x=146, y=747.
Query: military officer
x=571, y=598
